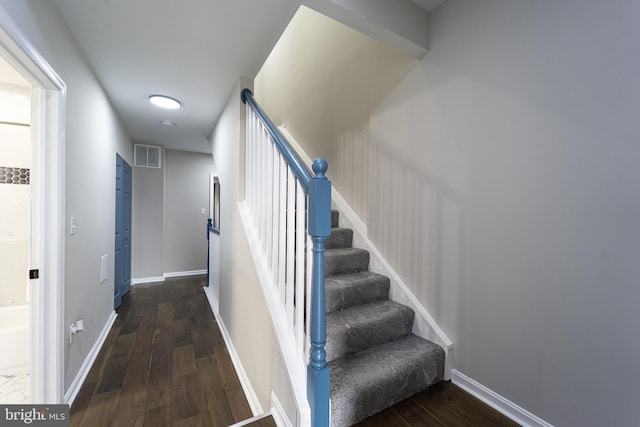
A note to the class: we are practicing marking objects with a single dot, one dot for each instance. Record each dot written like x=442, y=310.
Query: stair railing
x=286, y=202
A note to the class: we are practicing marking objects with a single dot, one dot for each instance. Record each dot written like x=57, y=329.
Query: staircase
x=375, y=360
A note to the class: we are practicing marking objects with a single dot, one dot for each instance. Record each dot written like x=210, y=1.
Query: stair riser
x=397, y=374
x=344, y=263
x=339, y=238
x=346, y=335
x=343, y=292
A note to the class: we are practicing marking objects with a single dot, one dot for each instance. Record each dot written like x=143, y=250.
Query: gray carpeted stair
x=374, y=358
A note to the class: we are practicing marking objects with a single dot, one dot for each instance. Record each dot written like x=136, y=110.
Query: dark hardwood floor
x=165, y=363
x=443, y=404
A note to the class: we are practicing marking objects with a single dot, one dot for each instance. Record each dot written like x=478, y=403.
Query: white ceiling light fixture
x=163, y=101
x=167, y=123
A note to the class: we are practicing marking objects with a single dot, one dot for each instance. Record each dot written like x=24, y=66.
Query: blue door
x=124, y=180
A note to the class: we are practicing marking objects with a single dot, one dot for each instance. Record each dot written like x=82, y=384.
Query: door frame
x=48, y=105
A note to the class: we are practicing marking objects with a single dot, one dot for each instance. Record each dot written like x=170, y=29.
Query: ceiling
x=193, y=51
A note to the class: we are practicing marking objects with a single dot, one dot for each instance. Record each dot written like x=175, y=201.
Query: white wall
x=320, y=81
x=501, y=186
x=186, y=192
x=93, y=137
x=242, y=305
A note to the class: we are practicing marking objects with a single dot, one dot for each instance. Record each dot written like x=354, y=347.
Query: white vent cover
x=146, y=156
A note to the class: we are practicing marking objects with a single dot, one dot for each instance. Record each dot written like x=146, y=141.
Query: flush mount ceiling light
x=167, y=123
x=164, y=102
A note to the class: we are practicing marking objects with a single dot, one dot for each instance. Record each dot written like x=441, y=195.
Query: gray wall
x=147, y=241
x=500, y=185
x=169, y=233
x=185, y=228
x=93, y=136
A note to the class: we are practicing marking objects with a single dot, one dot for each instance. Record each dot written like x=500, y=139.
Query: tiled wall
x=9, y=175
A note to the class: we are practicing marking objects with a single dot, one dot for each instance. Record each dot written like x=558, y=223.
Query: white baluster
x=301, y=236
x=282, y=235
x=291, y=232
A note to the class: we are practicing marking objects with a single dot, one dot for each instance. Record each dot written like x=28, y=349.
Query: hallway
x=164, y=363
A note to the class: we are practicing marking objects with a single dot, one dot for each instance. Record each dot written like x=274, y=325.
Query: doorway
x=37, y=283
x=15, y=235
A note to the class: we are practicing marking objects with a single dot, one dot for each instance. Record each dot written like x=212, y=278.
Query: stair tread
x=339, y=238
x=346, y=290
x=345, y=260
x=359, y=327
x=367, y=382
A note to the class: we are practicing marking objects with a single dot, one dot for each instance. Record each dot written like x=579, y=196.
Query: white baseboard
x=252, y=397
x=141, y=280
x=74, y=389
x=278, y=413
x=213, y=300
x=497, y=402
x=185, y=273
x=159, y=279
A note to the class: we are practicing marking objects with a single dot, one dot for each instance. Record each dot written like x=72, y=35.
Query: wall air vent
x=146, y=156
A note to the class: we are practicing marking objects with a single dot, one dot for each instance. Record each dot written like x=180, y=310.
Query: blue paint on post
x=319, y=230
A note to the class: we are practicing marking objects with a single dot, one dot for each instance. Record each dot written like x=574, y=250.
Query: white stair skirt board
x=424, y=325
x=74, y=389
x=249, y=392
x=251, y=420
x=278, y=413
x=497, y=402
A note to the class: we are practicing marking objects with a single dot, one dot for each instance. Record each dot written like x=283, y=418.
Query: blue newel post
x=319, y=230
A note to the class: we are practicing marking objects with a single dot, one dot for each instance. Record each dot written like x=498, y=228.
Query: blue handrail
x=318, y=189
x=294, y=162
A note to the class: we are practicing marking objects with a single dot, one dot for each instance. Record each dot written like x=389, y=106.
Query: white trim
x=213, y=300
x=497, y=402
x=251, y=420
x=74, y=389
x=159, y=279
x=48, y=126
x=278, y=413
x=252, y=397
x=424, y=325
x=185, y=273
x=293, y=360
x=147, y=280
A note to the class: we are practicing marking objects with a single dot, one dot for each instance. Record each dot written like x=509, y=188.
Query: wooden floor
x=165, y=363
x=443, y=404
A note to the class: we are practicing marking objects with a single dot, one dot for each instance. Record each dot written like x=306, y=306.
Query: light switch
x=72, y=228
x=203, y=211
